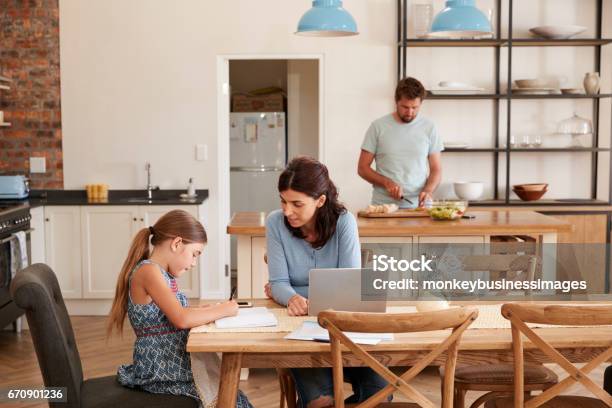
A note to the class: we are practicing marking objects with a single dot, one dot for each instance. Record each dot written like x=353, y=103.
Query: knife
x=405, y=199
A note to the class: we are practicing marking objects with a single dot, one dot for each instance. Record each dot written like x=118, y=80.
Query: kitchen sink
x=146, y=200
x=137, y=200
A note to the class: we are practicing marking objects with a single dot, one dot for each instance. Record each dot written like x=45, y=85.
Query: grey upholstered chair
x=36, y=290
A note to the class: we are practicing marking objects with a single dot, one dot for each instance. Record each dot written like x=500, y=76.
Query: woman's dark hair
x=309, y=176
x=409, y=88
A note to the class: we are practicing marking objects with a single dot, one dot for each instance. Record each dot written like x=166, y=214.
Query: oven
x=13, y=218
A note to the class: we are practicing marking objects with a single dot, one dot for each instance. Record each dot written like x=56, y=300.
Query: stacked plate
x=456, y=88
x=533, y=87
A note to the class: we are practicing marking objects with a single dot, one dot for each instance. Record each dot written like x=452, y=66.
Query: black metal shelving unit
x=499, y=43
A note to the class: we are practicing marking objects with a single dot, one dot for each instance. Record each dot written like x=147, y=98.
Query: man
x=406, y=147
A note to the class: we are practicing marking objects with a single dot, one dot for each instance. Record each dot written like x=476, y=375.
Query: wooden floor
x=19, y=367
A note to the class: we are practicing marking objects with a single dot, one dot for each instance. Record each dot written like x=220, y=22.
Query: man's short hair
x=409, y=88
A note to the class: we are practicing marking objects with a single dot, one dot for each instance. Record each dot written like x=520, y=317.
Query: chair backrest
x=504, y=263
x=500, y=263
x=571, y=315
x=36, y=290
x=458, y=319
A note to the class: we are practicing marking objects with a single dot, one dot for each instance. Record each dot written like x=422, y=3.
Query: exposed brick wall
x=29, y=55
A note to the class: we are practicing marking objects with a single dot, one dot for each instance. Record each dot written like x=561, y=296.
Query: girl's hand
x=229, y=308
x=297, y=306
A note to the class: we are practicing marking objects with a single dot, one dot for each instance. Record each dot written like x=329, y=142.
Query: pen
x=233, y=293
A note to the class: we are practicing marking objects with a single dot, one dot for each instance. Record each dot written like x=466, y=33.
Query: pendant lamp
x=460, y=17
x=327, y=18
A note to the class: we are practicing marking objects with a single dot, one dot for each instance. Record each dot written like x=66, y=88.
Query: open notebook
x=313, y=332
x=251, y=317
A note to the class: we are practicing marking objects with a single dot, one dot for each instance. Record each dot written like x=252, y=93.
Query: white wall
x=303, y=107
x=139, y=84
x=472, y=121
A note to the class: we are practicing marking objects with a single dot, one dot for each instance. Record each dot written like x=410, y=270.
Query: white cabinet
x=87, y=245
x=37, y=235
x=260, y=267
x=63, y=247
x=106, y=236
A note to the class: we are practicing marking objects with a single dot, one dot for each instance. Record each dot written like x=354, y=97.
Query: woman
x=313, y=230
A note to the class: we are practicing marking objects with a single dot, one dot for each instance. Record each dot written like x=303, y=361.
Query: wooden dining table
x=478, y=346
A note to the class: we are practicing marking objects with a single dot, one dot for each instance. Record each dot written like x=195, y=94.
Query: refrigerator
x=258, y=155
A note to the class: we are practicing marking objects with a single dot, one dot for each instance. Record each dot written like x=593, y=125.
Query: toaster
x=14, y=187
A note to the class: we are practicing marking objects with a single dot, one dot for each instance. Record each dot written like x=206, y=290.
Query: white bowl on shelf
x=468, y=190
x=557, y=32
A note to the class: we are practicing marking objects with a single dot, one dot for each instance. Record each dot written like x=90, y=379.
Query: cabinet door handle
x=46, y=220
x=142, y=219
x=135, y=219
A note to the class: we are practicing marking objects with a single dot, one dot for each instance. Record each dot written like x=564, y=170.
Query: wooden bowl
x=531, y=187
x=526, y=195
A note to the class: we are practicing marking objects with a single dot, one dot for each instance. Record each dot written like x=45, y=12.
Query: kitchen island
x=249, y=228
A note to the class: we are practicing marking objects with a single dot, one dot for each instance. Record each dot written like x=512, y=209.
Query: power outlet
x=38, y=165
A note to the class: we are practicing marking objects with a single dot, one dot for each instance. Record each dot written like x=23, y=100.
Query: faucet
x=150, y=188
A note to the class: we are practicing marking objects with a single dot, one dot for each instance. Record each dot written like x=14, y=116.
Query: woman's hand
x=268, y=290
x=229, y=308
x=297, y=306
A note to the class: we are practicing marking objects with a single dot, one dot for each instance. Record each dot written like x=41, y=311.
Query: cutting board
x=407, y=213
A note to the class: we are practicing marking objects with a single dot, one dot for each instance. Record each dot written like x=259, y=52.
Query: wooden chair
x=336, y=322
x=288, y=396
x=503, y=266
x=498, y=378
x=521, y=314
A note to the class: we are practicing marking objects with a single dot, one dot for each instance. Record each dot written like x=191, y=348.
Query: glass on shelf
x=422, y=13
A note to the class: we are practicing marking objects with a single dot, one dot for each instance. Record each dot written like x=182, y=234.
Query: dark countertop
x=39, y=198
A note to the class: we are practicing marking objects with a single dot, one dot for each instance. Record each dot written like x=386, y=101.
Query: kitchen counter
x=401, y=234
x=39, y=198
x=486, y=222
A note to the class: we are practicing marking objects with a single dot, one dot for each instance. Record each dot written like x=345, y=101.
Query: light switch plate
x=201, y=152
x=38, y=165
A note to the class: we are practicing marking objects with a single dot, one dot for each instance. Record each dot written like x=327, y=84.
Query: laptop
x=339, y=289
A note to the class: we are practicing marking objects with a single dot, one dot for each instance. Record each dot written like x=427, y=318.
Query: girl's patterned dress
x=161, y=363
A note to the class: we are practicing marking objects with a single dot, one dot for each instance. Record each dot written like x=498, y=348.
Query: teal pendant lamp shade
x=463, y=16
x=327, y=18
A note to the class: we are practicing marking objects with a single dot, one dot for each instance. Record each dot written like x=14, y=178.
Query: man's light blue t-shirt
x=401, y=153
x=290, y=258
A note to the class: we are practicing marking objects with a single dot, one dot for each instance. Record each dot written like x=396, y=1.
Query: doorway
x=270, y=110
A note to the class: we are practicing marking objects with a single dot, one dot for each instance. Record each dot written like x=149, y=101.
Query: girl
x=313, y=230
x=147, y=293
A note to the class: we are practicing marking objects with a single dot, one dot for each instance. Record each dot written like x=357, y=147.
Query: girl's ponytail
x=139, y=250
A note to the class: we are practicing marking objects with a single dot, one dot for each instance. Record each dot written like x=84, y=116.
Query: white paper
x=249, y=317
x=310, y=331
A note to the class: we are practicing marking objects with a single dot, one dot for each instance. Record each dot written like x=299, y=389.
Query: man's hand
x=394, y=190
x=423, y=196
x=297, y=306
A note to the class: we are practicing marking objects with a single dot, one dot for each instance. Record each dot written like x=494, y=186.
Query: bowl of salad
x=447, y=210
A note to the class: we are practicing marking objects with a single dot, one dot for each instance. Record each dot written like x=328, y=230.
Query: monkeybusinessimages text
x=385, y=263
